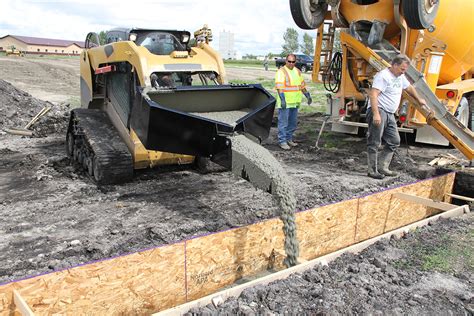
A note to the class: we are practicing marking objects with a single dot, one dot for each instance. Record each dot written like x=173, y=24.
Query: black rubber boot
x=385, y=160
x=372, y=167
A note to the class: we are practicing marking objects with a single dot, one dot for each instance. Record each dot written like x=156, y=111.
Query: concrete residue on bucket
x=257, y=165
x=228, y=117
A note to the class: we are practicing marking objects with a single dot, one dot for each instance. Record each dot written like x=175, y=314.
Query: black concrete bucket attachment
x=196, y=120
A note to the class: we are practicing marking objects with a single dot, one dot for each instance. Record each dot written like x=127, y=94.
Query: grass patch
x=449, y=254
x=312, y=109
x=75, y=102
x=250, y=63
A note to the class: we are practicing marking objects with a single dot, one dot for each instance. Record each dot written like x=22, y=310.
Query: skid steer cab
x=158, y=97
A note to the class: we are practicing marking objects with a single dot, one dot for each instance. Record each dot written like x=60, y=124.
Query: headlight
x=132, y=37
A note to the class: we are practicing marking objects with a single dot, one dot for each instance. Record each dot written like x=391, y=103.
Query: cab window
x=160, y=43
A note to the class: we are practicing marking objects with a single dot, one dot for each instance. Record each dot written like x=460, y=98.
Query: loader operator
x=384, y=99
x=290, y=86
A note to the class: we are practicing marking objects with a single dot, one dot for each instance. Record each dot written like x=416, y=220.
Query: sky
x=258, y=25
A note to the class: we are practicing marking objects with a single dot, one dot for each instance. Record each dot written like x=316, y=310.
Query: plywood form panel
x=139, y=283
x=326, y=229
x=441, y=185
x=450, y=178
x=372, y=215
x=405, y=212
x=220, y=259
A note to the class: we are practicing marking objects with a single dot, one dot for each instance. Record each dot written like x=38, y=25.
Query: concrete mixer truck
x=435, y=34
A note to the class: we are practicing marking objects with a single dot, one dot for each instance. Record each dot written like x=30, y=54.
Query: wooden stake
x=461, y=197
x=20, y=303
x=423, y=201
x=20, y=132
x=38, y=116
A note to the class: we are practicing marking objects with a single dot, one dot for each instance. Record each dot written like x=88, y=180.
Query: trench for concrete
x=157, y=279
x=218, y=298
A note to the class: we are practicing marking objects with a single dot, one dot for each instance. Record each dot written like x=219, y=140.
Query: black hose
x=332, y=76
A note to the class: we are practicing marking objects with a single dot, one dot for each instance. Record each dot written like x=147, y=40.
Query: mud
x=54, y=216
x=392, y=277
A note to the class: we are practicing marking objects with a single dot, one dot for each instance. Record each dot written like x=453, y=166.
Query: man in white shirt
x=384, y=99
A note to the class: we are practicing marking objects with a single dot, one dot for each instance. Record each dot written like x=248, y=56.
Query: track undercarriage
x=93, y=143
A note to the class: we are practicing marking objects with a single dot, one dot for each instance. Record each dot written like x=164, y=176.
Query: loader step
x=93, y=142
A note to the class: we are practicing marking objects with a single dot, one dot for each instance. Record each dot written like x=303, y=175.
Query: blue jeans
x=287, y=120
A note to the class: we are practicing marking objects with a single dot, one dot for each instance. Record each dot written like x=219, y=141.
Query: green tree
x=291, y=41
x=307, y=47
x=102, y=37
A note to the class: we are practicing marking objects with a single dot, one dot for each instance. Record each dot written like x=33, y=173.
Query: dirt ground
x=54, y=216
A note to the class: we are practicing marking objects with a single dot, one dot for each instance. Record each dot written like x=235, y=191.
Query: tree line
x=292, y=45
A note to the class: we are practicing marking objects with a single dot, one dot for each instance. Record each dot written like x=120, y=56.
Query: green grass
x=451, y=252
x=75, y=102
x=246, y=62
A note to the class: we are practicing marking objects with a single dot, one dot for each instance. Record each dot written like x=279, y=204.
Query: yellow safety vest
x=290, y=82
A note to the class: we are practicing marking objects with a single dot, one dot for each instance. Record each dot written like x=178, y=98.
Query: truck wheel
x=420, y=14
x=308, y=15
x=304, y=69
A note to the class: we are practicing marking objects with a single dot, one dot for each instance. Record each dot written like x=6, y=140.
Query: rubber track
x=115, y=163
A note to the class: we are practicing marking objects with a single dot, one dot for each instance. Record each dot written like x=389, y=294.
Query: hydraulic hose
x=332, y=76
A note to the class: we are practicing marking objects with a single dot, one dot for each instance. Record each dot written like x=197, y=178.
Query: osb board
x=441, y=186
x=220, y=259
x=326, y=229
x=372, y=215
x=139, y=283
x=402, y=212
x=449, y=186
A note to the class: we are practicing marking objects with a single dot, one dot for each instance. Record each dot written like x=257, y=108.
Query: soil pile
x=428, y=272
x=18, y=107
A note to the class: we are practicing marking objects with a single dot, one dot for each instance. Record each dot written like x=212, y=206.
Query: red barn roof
x=45, y=41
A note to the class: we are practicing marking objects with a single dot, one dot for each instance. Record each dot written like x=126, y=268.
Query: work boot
x=292, y=143
x=372, y=166
x=285, y=146
x=385, y=160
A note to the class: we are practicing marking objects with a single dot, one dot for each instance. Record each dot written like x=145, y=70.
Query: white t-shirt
x=391, y=88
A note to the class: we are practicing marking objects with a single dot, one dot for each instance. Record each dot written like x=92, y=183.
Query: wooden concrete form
x=235, y=291
x=161, y=278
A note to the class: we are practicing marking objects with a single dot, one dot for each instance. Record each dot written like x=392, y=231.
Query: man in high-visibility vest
x=290, y=86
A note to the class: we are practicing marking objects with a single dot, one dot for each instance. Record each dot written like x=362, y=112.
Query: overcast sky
x=258, y=25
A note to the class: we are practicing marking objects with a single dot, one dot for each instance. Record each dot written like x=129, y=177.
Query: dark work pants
x=386, y=132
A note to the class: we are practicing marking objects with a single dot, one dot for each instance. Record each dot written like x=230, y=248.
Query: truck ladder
x=435, y=112
x=324, y=48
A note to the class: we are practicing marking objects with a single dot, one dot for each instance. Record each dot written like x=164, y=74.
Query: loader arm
x=435, y=112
